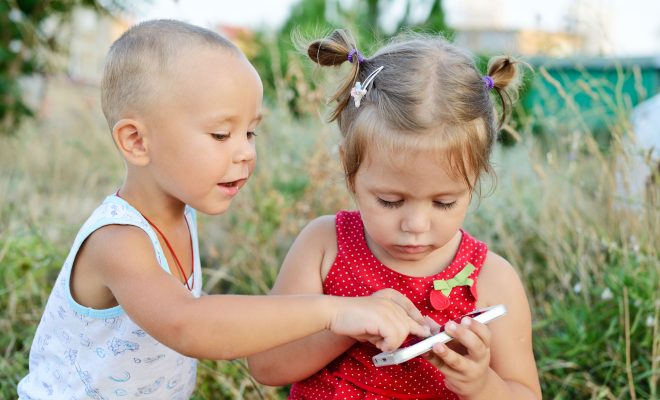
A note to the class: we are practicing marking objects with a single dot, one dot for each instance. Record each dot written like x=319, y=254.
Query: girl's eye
x=252, y=134
x=444, y=206
x=220, y=136
x=390, y=204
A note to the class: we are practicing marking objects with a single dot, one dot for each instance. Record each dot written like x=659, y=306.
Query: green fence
x=588, y=95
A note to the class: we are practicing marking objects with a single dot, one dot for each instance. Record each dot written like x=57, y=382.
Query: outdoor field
x=585, y=247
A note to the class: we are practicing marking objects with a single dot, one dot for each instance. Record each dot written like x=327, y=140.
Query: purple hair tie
x=488, y=81
x=354, y=52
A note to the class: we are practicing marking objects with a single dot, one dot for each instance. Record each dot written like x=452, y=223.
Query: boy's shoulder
x=112, y=210
x=115, y=210
x=109, y=239
x=115, y=228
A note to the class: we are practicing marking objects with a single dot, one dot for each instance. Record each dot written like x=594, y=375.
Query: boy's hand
x=385, y=319
x=465, y=374
x=410, y=308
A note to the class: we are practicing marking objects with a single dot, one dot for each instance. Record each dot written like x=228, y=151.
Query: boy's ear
x=129, y=137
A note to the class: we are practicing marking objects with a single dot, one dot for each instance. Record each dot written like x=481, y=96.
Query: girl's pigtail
x=333, y=50
x=506, y=75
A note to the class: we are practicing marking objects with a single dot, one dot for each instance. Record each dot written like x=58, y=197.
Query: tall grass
x=587, y=254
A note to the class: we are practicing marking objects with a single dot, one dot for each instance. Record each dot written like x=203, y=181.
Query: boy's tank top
x=83, y=353
x=356, y=272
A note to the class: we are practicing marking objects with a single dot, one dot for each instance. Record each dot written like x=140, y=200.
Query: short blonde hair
x=428, y=97
x=143, y=53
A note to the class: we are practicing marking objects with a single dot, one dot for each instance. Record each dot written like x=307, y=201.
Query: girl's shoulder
x=309, y=258
x=326, y=227
x=497, y=273
x=319, y=233
x=322, y=227
x=319, y=236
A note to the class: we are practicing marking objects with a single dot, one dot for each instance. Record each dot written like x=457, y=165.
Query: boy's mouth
x=233, y=184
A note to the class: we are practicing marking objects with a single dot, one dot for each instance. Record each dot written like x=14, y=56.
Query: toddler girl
x=418, y=126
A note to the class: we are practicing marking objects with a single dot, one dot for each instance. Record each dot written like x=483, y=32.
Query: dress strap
x=477, y=252
x=347, y=225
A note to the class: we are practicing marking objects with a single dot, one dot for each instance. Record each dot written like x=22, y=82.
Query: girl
x=125, y=317
x=418, y=126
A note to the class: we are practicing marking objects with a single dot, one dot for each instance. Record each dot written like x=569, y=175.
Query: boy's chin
x=213, y=209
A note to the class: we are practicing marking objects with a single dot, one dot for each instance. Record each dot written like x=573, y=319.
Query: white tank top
x=79, y=352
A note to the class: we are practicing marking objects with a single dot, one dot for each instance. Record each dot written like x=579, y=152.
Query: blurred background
x=575, y=207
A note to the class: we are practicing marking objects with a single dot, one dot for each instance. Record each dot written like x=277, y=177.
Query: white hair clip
x=358, y=91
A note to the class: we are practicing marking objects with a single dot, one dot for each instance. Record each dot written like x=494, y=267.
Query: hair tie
x=359, y=90
x=354, y=52
x=488, y=81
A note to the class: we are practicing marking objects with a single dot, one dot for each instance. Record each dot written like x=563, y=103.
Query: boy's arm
x=302, y=272
x=226, y=326
x=299, y=359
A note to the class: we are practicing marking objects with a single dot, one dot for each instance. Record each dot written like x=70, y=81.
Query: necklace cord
x=171, y=249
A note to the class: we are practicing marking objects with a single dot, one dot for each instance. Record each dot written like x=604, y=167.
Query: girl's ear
x=342, y=158
x=129, y=137
x=342, y=153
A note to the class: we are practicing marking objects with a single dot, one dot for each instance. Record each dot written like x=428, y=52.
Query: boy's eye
x=443, y=205
x=220, y=136
x=251, y=134
x=390, y=204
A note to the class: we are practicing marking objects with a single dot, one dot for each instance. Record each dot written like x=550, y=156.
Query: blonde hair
x=429, y=95
x=144, y=53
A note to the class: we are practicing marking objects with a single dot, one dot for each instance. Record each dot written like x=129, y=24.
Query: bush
x=28, y=268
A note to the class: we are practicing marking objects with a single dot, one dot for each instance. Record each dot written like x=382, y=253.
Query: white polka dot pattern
x=357, y=272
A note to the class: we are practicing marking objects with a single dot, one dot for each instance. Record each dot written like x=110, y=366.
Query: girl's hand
x=385, y=319
x=465, y=374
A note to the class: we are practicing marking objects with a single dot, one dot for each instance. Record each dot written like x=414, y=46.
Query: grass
x=588, y=255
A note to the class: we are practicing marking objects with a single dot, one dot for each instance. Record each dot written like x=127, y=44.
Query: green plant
x=28, y=264
x=26, y=42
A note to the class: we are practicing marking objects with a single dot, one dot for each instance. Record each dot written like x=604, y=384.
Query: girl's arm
x=499, y=361
x=226, y=326
x=303, y=271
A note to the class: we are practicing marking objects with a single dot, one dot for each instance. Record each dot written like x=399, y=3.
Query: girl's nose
x=416, y=221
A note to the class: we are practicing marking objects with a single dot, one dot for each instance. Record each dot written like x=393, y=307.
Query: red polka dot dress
x=356, y=272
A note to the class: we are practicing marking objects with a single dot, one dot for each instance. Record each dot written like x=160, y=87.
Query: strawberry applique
x=442, y=287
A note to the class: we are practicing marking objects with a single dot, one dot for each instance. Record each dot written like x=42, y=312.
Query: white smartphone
x=403, y=354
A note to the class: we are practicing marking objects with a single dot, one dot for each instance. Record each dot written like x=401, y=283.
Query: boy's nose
x=245, y=151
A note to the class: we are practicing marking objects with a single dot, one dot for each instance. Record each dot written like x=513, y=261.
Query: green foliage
x=26, y=42
x=599, y=340
x=435, y=22
x=28, y=267
x=589, y=261
x=230, y=380
x=279, y=62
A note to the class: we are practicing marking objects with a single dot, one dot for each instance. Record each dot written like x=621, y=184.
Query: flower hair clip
x=359, y=90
